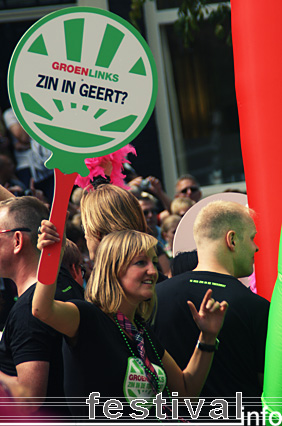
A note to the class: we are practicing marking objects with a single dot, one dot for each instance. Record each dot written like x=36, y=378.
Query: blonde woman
x=108, y=348
x=106, y=209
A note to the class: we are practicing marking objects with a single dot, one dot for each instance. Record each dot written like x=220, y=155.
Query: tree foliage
x=192, y=14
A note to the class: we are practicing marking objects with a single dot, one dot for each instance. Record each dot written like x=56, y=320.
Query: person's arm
x=62, y=316
x=30, y=385
x=190, y=381
x=157, y=190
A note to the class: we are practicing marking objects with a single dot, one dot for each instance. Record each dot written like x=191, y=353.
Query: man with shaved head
x=224, y=233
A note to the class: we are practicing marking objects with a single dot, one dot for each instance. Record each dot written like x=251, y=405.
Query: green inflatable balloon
x=272, y=386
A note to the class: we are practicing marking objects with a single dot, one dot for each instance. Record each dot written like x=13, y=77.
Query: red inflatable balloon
x=257, y=47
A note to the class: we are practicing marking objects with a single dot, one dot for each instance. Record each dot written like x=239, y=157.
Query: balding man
x=224, y=233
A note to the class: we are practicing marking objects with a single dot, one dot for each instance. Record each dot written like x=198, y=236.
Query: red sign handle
x=50, y=256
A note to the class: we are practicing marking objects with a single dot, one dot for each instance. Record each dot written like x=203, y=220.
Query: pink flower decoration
x=117, y=158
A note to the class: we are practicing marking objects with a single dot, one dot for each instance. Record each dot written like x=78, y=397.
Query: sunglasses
x=153, y=211
x=191, y=188
x=14, y=230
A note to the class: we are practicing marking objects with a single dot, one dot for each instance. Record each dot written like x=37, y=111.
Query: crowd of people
x=22, y=161
x=124, y=320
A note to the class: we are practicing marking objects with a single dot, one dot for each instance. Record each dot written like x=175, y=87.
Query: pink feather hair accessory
x=95, y=166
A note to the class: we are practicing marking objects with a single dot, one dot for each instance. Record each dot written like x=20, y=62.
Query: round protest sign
x=83, y=83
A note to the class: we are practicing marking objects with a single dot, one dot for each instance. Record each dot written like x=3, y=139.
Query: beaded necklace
x=124, y=324
x=140, y=326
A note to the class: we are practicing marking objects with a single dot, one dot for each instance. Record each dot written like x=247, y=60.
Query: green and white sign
x=135, y=383
x=83, y=83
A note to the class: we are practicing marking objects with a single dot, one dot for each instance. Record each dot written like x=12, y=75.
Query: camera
x=145, y=185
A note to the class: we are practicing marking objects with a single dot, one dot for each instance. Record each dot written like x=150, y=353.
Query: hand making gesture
x=210, y=317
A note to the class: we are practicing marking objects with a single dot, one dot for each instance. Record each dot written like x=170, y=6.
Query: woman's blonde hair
x=115, y=253
x=110, y=208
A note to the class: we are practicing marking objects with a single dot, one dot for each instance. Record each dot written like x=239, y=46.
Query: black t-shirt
x=8, y=296
x=25, y=338
x=100, y=361
x=240, y=356
x=67, y=287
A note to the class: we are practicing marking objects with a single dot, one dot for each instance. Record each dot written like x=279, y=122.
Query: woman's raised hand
x=47, y=234
x=211, y=314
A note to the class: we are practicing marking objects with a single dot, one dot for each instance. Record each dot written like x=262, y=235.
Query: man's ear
x=73, y=271
x=231, y=240
x=18, y=241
